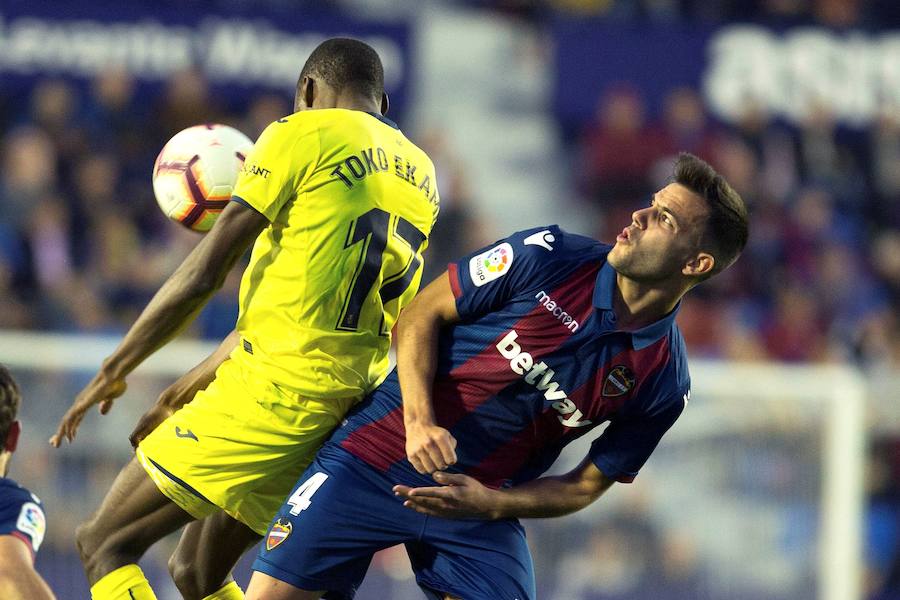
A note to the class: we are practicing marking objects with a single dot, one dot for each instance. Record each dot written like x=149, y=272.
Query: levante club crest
x=279, y=532
x=619, y=382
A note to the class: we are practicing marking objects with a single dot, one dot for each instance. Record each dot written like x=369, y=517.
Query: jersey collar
x=384, y=120
x=603, y=299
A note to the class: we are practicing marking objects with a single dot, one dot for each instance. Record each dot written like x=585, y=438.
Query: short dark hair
x=347, y=63
x=10, y=398
x=727, y=226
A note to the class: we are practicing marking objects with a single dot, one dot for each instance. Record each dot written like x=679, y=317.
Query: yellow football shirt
x=351, y=203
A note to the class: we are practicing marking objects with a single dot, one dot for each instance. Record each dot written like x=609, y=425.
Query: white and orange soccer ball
x=195, y=173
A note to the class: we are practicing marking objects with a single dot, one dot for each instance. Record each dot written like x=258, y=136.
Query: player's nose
x=639, y=218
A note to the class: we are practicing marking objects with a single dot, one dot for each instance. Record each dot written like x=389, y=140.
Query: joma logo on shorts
x=540, y=376
x=557, y=311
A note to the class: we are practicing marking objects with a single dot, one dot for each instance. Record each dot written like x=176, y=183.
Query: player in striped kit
x=514, y=353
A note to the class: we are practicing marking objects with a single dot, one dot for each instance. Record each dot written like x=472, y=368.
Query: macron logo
x=540, y=376
x=556, y=310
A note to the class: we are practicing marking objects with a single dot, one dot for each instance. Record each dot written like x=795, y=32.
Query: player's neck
x=639, y=304
x=4, y=463
x=352, y=101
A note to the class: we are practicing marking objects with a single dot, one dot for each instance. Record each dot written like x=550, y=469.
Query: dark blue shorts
x=342, y=511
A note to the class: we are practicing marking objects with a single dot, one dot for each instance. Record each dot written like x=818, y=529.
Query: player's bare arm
x=18, y=579
x=429, y=447
x=462, y=496
x=183, y=390
x=176, y=303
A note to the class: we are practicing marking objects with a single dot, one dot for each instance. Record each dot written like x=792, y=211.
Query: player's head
x=692, y=229
x=341, y=68
x=10, y=398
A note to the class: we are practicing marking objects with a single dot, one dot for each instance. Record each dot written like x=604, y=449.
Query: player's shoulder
x=17, y=503
x=552, y=244
x=21, y=513
x=12, y=494
x=336, y=119
x=534, y=257
x=289, y=125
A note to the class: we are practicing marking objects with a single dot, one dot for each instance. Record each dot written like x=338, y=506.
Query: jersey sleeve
x=628, y=442
x=276, y=166
x=22, y=516
x=488, y=278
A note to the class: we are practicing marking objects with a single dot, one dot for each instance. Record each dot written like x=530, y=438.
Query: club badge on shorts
x=279, y=532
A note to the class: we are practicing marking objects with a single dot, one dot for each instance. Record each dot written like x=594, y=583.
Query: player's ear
x=12, y=438
x=701, y=264
x=305, y=94
x=385, y=104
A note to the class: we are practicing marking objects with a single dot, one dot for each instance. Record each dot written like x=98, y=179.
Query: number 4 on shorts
x=302, y=496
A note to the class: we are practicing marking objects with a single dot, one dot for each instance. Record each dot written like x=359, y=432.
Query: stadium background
x=565, y=111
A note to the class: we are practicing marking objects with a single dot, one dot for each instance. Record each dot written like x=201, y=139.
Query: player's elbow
x=588, y=483
x=593, y=490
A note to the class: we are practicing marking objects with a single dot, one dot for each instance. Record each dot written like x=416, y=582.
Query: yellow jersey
x=351, y=203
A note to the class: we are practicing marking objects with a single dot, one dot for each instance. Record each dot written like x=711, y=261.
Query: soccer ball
x=195, y=173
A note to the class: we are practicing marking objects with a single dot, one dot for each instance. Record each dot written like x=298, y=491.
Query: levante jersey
x=21, y=514
x=351, y=203
x=535, y=363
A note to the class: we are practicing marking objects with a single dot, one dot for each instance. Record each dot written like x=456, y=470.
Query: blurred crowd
x=820, y=278
x=83, y=245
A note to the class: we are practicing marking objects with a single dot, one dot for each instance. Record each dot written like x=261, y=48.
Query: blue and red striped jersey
x=21, y=514
x=535, y=363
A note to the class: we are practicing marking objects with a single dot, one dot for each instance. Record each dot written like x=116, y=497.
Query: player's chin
x=616, y=256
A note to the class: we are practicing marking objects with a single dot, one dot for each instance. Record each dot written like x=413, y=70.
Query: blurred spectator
x=263, y=111
x=885, y=148
x=685, y=124
x=187, y=102
x=619, y=148
x=794, y=330
x=458, y=230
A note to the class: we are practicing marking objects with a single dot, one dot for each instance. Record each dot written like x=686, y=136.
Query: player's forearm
x=418, y=331
x=417, y=340
x=23, y=584
x=551, y=496
x=542, y=498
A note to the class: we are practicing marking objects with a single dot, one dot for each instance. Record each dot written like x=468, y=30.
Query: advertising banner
x=237, y=52
x=789, y=74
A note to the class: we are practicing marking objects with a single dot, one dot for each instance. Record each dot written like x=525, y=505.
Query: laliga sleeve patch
x=32, y=522
x=491, y=265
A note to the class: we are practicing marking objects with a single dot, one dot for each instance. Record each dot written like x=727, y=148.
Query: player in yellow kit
x=340, y=204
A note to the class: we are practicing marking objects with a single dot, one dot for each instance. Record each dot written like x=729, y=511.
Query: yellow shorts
x=240, y=445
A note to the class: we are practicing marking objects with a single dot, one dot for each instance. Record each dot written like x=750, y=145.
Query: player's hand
x=102, y=390
x=150, y=421
x=459, y=497
x=172, y=398
x=429, y=448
